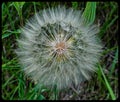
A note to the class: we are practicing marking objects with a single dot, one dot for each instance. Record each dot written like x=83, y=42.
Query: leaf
x=7, y=33
x=114, y=62
x=107, y=84
x=41, y=97
x=74, y=5
x=18, y=6
x=89, y=13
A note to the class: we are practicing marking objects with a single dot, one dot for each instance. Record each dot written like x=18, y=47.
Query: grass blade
x=107, y=84
x=114, y=62
x=18, y=6
x=89, y=12
x=7, y=33
x=74, y=5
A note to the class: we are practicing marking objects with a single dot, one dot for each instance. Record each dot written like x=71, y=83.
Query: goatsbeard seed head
x=56, y=48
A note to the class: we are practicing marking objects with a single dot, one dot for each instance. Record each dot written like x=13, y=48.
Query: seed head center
x=60, y=47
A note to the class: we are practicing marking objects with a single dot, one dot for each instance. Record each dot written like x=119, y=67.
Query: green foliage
x=18, y=6
x=90, y=12
x=74, y=5
x=107, y=84
x=109, y=21
x=7, y=33
x=114, y=62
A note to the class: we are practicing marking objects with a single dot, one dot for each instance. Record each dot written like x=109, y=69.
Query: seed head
x=56, y=48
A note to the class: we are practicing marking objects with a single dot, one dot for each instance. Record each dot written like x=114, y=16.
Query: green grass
x=104, y=83
x=107, y=84
x=89, y=12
